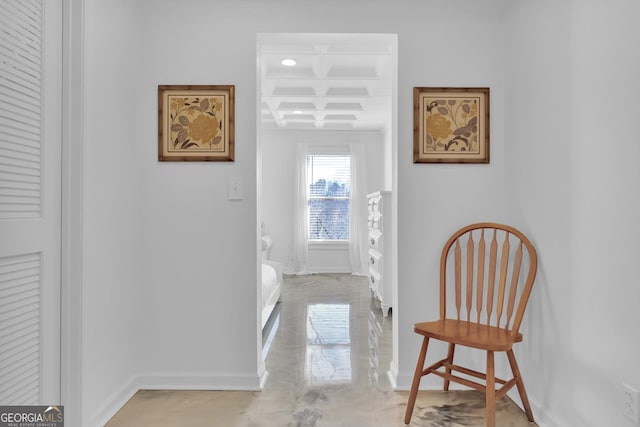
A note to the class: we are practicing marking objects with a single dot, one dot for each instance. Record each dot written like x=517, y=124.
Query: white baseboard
x=329, y=269
x=542, y=417
x=114, y=403
x=403, y=382
x=240, y=382
x=225, y=382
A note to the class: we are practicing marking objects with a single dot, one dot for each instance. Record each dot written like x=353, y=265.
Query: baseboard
x=339, y=269
x=542, y=417
x=403, y=382
x=114, y=403
x=239, y=382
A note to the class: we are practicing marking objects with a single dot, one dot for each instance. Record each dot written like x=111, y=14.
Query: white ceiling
x=339, y=82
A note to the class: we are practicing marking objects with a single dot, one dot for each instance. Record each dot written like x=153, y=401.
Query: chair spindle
x=458, y=263
x=514, y=284
x=470, y=254
x=503, y=277
x=481, y=257
x=493, y=259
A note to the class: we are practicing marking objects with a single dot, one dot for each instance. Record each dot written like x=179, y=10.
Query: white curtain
x=301, y=224
x=358, y=248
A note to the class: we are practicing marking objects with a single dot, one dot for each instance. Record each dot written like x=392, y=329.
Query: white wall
x=605, y=229
x=111, y=240
x=199, y=251
x=170, y=263
x=538, y=155
x=572, y=88
x=160, y=298
x=278, y=174
x=457, y=44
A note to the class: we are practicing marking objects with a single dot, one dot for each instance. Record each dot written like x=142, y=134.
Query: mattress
x=269, y=282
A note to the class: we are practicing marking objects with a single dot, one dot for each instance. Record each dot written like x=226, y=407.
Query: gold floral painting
x=195, y=123
x=451, y=125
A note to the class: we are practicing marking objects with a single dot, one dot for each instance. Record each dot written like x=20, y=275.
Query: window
x=329, y=178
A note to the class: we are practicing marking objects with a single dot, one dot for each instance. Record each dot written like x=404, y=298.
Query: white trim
x=328, y=269
x=114, y=404
x=541, y=415
x=199, y=381
x=328, y=245
x=71, y=318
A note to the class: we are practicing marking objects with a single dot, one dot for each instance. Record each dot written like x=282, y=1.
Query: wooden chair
x=481, y=309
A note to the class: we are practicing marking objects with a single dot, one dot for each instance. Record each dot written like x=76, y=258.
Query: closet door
x=30, y=190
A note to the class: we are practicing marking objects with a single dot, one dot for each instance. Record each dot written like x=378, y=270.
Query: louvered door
x=30, y=190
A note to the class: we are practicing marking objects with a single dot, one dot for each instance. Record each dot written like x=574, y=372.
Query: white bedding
x=271, y=280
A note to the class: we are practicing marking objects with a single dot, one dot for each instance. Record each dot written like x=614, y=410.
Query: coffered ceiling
x=338, y=82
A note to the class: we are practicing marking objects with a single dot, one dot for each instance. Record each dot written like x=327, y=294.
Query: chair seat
x=469, y=334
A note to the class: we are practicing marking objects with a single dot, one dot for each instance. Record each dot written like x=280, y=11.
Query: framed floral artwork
x=196, y=123
x=450, y=125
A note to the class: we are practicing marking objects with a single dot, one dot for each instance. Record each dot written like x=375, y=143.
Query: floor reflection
x=328, y=343
x=331, y=335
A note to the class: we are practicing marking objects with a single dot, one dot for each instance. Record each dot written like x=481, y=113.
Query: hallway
x=329, y=353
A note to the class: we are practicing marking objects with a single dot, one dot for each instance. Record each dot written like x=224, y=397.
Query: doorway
x=325, y=91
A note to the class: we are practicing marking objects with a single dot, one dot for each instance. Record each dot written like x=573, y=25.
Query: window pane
x=329, y=219
x=329, y=191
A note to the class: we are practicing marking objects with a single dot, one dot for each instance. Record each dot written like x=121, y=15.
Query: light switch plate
x=235, y=188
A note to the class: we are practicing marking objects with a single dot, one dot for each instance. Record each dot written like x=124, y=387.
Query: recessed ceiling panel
x=347, y=91
x=282, y=72
x=338, y=126
x=294, y=91
x=335, y=76
x=340, y=117
x=300, y=125
x=346, y=72
x=296, y=106
x=343, y=106
x=298, y=117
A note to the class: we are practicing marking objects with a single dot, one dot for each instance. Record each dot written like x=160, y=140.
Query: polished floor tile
x=329, y=350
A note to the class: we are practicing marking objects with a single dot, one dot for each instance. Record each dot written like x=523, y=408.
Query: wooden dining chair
x=487, y=271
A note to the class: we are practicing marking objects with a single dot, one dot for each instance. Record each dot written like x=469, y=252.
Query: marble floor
x=329, y=350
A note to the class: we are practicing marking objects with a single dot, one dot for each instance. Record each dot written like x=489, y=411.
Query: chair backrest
x=485, y=269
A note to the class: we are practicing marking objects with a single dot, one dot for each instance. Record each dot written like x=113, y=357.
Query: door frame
x=392, y=174
x=71, y=319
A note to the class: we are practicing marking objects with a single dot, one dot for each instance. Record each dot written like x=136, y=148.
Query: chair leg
x=491, y=391
x=452, y=348
x=520, y=385
x=416, y=381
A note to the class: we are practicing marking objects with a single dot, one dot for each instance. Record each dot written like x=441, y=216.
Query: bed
x=271, y=280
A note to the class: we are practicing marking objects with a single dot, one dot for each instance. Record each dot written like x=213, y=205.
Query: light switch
x=235, y=188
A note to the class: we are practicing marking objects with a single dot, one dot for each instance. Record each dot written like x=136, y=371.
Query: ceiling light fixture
x=288, y=62
x=297, y=112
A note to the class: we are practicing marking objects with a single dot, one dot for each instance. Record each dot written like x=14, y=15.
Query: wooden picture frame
x=451, y=125
x=196, y=123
